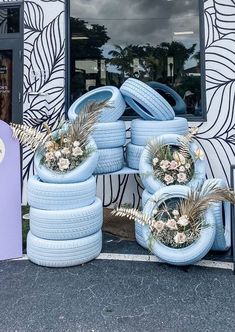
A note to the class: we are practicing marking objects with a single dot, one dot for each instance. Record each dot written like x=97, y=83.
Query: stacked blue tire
x=110, y=132
x=65, y=222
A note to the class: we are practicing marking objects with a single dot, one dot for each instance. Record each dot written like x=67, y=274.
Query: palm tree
x=122, y=58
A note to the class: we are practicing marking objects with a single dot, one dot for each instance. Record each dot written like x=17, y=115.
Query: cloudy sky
x=140, y=21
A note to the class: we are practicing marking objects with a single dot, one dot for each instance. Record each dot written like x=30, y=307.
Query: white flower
x=65, y=151
x=173, y=164
x=63, y=164
x=77, y=152
x=171, y=223
x=187, y=166
x=179, y=157
x=155, y=211
x=180, y=238
x=57, y=154
x=164, y=164
x=168, y=179
x=49, y=145
x=182, y=169
x=183, y=221
x=65, y=140
x=49, y=156
x=155, y=161
x=199, y=154
x=181, y=177
x=159, y=225
x=76, y=143
x=175, y=213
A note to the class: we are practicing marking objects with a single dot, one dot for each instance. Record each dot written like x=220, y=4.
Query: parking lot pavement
x=107, y=295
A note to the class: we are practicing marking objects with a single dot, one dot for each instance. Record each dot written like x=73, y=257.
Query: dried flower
x=168, y=179
x=49, y=145
x=57, y=154
x=183, y=221
x=77, y=151
x=158, y=225
x=181, y=177
x=65, y=151
x=180, y=238
x=49, y=156
x=171, y=223
x=76, y=143
x=63, y=164
x=199, y=154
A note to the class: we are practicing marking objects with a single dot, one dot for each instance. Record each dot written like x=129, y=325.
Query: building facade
x=39, y=72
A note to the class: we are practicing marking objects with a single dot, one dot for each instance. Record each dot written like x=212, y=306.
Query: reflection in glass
x=9, y=20
x=5, y=85
x=154, y=41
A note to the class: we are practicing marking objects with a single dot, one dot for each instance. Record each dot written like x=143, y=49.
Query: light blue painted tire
x=138, y=227
x=100, y=94
x=79, y=174
x=222, y=221
x=110, y=134
x=110, y=160
x=63, y=253
x=133, y=154
x=142, y=131
x=182, y=256
x=146, y=170
x=145, y=101
x=180, y=106
x=67, y=224
x=54, y=196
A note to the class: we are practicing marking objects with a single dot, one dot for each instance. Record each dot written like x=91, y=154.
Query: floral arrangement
x=178, y=223
x=66, y=148
x=173, y=164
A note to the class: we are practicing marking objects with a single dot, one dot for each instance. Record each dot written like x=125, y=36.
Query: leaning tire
x=222, y=215
x=148, y=103
x=153, y=184
x=142, y=131
x=50, y=196
x=133, y=154
x=63, y=253
x=182, y=256
x=179, y=104
x=110, y=160
x=79, y=174
x=110, y=134
x=112, y=93
x=67, y=224
x=138, y=227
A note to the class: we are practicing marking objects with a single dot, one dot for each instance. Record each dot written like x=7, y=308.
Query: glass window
x=9, y=20
x=5, y=85
x=154, y=41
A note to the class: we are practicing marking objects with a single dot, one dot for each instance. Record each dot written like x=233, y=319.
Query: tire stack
x=65, y=218
x=109, y=133
x=157, y=119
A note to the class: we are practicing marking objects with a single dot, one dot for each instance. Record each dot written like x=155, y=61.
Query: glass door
x=11, y=80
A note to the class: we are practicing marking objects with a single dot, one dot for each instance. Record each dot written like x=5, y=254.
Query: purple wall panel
x=10, y=195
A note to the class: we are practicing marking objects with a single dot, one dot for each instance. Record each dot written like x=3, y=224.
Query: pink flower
x=173, y=165
x=181, y=177
x=171, y=223
x=158, y=225
x=168, y=179
x=164, y=164
x=180, y=238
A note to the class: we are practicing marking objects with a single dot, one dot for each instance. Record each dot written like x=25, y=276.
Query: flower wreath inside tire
x=172, y=159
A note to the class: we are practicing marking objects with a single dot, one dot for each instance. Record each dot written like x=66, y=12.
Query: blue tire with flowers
x=52, y=253
x=79, y=174
x=145, y=101
x=222, y=215
x=110, y=93
x=179, y=256
x=152, y=183
x=60, y=196
x=138, y=227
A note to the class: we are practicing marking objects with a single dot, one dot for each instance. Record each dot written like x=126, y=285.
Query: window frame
x=189, y=117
